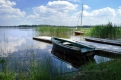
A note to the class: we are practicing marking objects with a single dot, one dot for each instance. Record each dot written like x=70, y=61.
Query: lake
x=17, y=45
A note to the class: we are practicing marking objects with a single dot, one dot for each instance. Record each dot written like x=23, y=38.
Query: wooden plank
x=103, y=41
x=43, y=38
x=108, y=53
x=46, y=39
x=104, y=49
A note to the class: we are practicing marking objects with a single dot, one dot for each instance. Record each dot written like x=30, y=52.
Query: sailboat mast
x=81, y=15
x=80, y=32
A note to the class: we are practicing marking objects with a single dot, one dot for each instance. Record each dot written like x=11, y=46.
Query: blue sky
x=59, y=12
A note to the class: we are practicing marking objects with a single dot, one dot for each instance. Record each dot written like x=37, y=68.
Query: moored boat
x=76, y=62
x=78, y=33
x=72, y=48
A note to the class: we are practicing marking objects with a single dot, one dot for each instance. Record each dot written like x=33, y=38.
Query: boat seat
x=66, y=43
x=75, y=48
x=84, y=50
x=57, y=41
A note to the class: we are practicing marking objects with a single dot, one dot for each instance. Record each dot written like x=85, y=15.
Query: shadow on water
x=76, y=62
x=108, y=54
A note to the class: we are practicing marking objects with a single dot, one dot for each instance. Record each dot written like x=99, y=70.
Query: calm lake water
x=17, y=44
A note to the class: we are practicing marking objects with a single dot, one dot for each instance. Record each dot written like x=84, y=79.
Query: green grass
x=110, y=70
x=58, y=31
x=104, y=71
x=30, y=69
x=109, y=31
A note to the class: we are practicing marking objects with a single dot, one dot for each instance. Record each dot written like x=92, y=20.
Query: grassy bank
x=104, y=71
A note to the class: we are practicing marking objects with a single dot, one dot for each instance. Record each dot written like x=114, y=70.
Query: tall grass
x=58, y=31
x=28, y=66
x=106, y=31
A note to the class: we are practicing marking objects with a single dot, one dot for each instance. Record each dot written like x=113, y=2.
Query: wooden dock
x=43, y=38
x=108, y=53
x=46, y=39
x=103, y=48
x=103, y=41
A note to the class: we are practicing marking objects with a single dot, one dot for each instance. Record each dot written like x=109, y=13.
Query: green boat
x=72, y=48
x=76, y=62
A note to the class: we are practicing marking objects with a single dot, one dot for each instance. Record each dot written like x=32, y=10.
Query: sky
x=59, y=12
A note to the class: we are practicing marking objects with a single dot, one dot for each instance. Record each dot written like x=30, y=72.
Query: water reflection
x=76, y=62
x=18, y=47
x=100, y=59
x=11, y=46
x=13, y=39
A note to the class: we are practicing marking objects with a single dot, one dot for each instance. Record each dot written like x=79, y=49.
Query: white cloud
x=7, y=12
x=120, y=7
x=43, y=10
x=59, y=12
x=70, y=0
x=61, y=5
x=119, y=11
x=55, y=13
x=6, y=3
x=86, y=7
x=74, y=0
x=100, y=16
x=55, y=7
x=85, y=13
x=104, y=12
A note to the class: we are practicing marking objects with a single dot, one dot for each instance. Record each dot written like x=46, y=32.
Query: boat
x=103, y=41
x=78, y=33
x=76, y=62
x=72, y=48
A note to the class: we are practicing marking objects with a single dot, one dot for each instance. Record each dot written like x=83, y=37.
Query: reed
x=58, y=31
x=106, y=31
x=28, y=66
